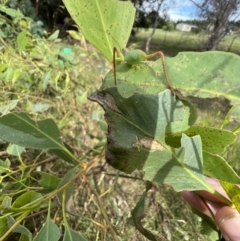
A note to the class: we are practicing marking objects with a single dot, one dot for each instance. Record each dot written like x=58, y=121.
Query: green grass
x=175, y=41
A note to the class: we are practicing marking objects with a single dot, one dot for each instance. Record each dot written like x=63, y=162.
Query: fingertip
x=228, y=220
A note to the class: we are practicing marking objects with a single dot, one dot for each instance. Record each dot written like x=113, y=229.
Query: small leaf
x=19, y=229
x=4, y=109
x=49, y=181
x=49, y=231
x=232, y=117
x=15, y=150
x=63, y=155
x=40, y=107
x=71, y=235
x=22, y=40
x=4, y=166
x=138, y=215
x=3, y=225
x=24, y=238
x=233, y=192
x=7, y=202
x=70, y=188
x=75, y=35
x=26, y=198
x=54, y=36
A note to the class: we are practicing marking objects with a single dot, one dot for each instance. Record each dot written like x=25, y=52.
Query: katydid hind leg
x=165, y=70
x=160, y=53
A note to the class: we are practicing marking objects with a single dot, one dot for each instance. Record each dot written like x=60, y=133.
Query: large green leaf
x=105, y=24
x=206, y=75
x=136, y=138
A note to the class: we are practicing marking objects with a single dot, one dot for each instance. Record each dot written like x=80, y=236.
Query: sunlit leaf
x=233, y=192
x=105, y=24
x=205, y=75
x=22, y=40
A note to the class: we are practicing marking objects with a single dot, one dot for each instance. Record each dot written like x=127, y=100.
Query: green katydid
x=136, y=56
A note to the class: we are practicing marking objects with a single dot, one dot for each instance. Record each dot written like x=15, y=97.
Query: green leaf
x=208, y=74
x=138, y=215
x=205, y=75
x=26, y=198
x=145, y=78
x=189, y=119
x=7, y=202
x=232, y=117
x=12, y=12
x=233, y=192
x=15, y=150
x=75, y=34
x=71, y=235
x=4, y=109
x=215, y=166
x=105, y=24
x=22, y=40
x=69, y=190
x=49, y=231
x=209, y=136
x=40, y=107
x=136, y=138
x=54, y=36
x=24, y=238
x=49, y=181
x=19, y=129
x=19, y=229
x=4, y=166
x=3, y=225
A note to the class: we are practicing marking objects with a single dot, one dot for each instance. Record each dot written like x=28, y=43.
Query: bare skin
x=227, y=218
